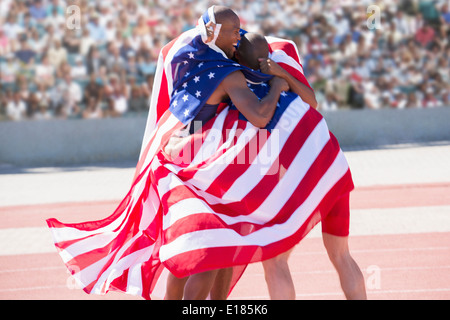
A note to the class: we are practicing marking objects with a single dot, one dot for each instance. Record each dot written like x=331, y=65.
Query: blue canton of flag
x=261, y=89
x=197, y=71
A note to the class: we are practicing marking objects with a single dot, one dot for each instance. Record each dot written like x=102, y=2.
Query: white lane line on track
x=340, y=294
x=298, y=295
x=17, y=241
x=383, y=250
x=333, y=271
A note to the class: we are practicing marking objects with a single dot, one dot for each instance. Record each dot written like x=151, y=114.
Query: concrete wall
x=374, y=128
x=67, y=142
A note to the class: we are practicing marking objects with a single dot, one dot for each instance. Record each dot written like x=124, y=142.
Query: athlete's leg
x=222, y=284
x=350, y=275
x=278, y=277
x=335, y=231
x=199, y=285
x=175, y=287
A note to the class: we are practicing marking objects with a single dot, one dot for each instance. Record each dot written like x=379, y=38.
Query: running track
x=400, y=230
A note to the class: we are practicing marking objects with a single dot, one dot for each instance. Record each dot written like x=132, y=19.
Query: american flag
x=235, y=195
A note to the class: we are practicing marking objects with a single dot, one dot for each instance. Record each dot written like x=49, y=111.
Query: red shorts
x=337, y=222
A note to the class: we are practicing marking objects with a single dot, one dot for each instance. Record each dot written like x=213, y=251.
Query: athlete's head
x=229, y=33
x=252, y=47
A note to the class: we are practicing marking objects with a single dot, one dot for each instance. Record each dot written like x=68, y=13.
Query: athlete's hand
x=268, y=66
x=174, y=146
x=279, y=83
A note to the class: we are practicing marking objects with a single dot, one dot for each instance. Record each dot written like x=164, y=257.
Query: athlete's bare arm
x=258, y=112
x=269, y=66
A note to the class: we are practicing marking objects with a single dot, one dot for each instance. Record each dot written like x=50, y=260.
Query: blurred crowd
x=55, y=63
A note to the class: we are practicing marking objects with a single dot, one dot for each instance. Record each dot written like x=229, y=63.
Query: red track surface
x=396, y=266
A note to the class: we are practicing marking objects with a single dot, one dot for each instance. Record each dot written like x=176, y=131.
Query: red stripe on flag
x=287, y=47
x=257, y=195
x=296, y=74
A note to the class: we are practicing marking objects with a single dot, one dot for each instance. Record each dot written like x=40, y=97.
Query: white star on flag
x=184, y=85
x=185, y=62
x=196, y=79
x=198, y=93
x=191, y=55
x=185, y=98
x=283, y=93
x=200, y=64
x=186, y=112
x=211, y=75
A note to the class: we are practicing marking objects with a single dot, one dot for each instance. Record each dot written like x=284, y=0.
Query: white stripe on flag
x=227, y=238
x=250, y=178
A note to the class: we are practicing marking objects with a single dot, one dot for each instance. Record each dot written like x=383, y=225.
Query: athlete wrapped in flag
x=234, y=195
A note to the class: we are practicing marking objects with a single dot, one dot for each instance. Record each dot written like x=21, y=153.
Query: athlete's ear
x=210, y=28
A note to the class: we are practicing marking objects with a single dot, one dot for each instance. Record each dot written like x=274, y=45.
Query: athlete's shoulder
x=235, y=78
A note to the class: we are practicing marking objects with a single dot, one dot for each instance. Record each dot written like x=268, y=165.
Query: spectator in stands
x=55, y=5
x=137, y=101
x=43, y=94
x=329, y=104
x=45, y=72
x=49, y=37
x=4, y=99
x=147, y=87
x=93, y=90
x=16, y=108
x=57, y=54
x=126, y=49
x=341, y=57
x=96, y=31
x=79, y=70
x=93, y=109
x=425, y=35
x=86, y=42
x=9, y=69
x=371, y=98
x=106, y=14
x=43, y=112
x=445, y=14
x=429, y=11
x=142, y=29
x=429, y=100
x=37, y=42
x=110, y=31
x=37, y=11
x=123, y=24
x=400, y=101
x=71, y=96
x=131, y=66
x=5, y=47
x=116, y=96
x=93, y=60
x=32, y=104
x=412, y=101
x=25, y=54
x=146, y=65
x=54, y=18
x=12, y=28
x=71, y=41
x=114, y=58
